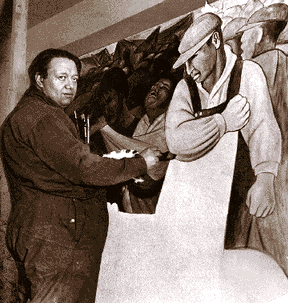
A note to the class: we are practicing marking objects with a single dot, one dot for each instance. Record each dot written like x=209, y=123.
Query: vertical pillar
x=13, y=83
x=18, y=74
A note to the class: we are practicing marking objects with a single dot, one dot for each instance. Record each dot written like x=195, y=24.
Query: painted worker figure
x=143, y=197
x=231, y=38
x=259, y=37
x=58, y=223
x=221, y=126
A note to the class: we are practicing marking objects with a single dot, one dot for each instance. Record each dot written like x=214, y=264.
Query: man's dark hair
x=219, y=31
x=170, y=77
x=42, y=60
x=174, y=81
x=272, y=29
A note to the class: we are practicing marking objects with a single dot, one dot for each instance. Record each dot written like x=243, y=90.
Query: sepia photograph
x=144, y=151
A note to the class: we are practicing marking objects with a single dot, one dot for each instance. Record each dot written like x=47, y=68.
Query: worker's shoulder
x=249, y=65
x=252, y=71
x=182, y=86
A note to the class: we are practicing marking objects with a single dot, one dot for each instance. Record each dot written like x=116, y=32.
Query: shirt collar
x=33, y=91
x=230, y=62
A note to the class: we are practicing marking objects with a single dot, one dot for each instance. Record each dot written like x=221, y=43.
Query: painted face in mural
x=113, y=106
x=60, y=85
x=159, y=94
x=249, y=41
x=202, y=63
x=235, y=44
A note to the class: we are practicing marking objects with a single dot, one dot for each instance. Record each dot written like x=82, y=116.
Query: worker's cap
x=196, y=36
x=273, y=12
x=230, y=31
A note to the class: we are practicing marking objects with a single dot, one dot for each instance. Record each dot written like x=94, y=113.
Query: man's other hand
x=151, y=156
x=236, y=114
x=261, y=196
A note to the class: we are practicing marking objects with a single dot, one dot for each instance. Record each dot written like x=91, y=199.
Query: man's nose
x=70, y=83
x=189, y=68
x=154, y=89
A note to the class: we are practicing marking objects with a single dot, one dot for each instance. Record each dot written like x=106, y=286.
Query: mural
x=164, y=225
x=133, y=65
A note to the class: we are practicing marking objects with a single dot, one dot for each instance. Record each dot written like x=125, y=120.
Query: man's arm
x=187, y=137
x=57, y=147
x=191, y=138
x=263, y=137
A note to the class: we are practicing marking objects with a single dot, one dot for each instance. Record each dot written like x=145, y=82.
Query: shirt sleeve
x=53, y=142
x=262, y=133
x=187, y=137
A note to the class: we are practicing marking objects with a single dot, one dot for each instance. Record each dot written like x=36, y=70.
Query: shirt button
x=72, y=221
x=74, y=200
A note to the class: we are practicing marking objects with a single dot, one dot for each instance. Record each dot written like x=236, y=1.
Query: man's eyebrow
x=65, y=73
x=192, y=57
x=168, y=84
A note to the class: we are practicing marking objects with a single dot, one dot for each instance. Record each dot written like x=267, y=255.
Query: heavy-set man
x=58, y=222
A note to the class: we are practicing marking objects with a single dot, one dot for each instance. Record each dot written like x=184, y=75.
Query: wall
x=91, y=24
x=80, y=28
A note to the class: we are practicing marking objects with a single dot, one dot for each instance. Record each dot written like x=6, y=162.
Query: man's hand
x=236, y=114
x=261, y=196
x=151, y=156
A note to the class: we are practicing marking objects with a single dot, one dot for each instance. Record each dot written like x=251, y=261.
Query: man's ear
x=259, y=34
x=216, y=40
x=39, y=80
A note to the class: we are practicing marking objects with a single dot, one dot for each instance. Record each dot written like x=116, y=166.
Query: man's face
x=202, y=63
x=113, y=108
x=60, y=85
x=159, y=93
x=249, y=40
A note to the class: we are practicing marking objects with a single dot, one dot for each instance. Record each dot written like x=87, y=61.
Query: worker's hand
x=261, y=196
x=236, y=114
x=151, y=156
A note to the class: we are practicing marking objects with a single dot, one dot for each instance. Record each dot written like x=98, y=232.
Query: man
x=231, y=38
x=156, y=104
x=259, y=38
x=142, y=197
x=58, y=222
x=203, y=123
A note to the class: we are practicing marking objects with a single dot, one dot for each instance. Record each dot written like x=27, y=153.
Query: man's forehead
x=165, y=81
x=62, y=64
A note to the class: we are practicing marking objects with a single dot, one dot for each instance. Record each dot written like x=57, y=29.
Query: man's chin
x=151, y=104
x=67, y=101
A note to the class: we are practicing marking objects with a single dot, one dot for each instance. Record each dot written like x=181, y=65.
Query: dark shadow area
x=6, y=21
